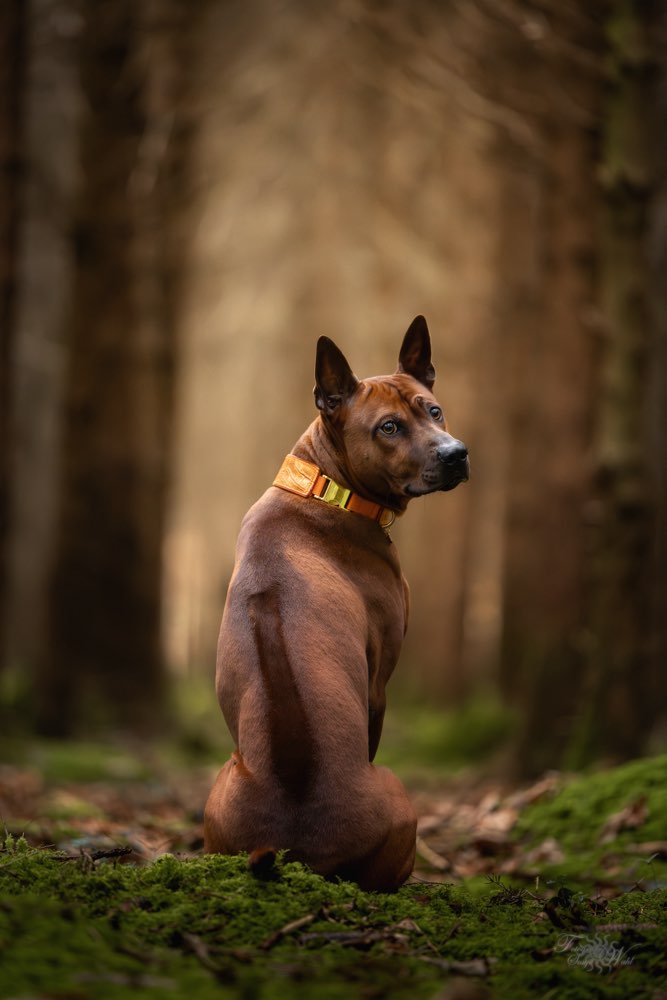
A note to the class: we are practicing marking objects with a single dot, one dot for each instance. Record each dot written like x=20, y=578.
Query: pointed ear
x=415, y=355
x=334, y=379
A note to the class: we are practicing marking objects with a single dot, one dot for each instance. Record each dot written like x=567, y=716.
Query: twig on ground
x=473, y=967
x=282, y=932
x=431, y=856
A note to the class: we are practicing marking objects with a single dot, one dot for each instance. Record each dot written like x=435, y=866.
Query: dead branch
x=282, y=932
x=432, y=857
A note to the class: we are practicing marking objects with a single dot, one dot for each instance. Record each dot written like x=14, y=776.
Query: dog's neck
x=316, y=445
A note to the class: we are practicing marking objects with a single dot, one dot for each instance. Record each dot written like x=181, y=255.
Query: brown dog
x=312, y=628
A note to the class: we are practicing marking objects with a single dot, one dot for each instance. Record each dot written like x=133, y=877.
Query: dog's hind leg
x=391, y=859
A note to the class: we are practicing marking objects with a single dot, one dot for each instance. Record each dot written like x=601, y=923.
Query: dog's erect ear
x=334, y=379
x=415, y=356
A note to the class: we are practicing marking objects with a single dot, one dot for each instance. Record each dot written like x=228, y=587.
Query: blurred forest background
x=191, y=193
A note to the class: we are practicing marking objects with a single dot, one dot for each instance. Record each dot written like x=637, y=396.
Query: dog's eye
x=435, y=412
x=389, y=427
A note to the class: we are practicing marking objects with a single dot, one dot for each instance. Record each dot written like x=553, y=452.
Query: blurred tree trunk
x=617, y=697
x=12, y=56
x=547, y=263
x=657, y=251
x=577, y=576
x=50, y=116
x=102, y=659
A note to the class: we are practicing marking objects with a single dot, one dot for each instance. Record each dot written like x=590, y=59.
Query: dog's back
x=313, y=624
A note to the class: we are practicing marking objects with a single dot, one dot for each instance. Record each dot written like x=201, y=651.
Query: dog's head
x=389, y=431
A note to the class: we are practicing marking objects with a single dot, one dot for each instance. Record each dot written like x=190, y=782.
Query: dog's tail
x=262, y=862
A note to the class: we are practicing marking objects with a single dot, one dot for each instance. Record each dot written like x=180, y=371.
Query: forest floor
x=556, y=889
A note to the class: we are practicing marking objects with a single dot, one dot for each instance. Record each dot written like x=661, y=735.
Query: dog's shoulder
x=275, y=525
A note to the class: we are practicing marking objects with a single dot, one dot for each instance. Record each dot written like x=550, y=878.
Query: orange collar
x=307, y=480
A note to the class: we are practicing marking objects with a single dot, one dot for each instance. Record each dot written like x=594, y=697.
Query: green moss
x=577, y=814
x=85, y=761
x=418, y=738
x=68, y=806
x=207, y=928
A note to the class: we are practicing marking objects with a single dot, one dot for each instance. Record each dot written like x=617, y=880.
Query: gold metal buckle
x=335, y=495
x=386, y=525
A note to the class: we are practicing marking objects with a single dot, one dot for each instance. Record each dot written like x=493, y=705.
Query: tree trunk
x=578, y=577
x=50, y=124
x=12, y=57
x=657, y=250
x=616, y=700
x=103, y=659
x=547, y=248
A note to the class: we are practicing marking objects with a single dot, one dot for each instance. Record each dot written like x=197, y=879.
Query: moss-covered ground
x=556, y=891
x=607, y=829
x=207, y=928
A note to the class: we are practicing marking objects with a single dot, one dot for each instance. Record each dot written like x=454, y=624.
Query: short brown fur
x=315, y=615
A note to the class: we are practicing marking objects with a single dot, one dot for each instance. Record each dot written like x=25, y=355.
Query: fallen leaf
x=548, y=851
x=629, y=818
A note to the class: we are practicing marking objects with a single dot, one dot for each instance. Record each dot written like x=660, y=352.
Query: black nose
x=453, y=453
